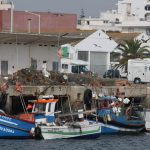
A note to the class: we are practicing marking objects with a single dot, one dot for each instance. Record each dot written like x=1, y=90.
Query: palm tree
x=131, y=49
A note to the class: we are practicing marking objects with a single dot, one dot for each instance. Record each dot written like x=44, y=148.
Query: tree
x=132, y=49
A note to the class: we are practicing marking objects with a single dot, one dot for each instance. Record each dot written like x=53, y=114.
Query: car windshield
x=79, y=69
x=109, y=71
x=83, y=68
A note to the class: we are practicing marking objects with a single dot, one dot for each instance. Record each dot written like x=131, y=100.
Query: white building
x=5, y=5
x=131, y=16
x=95, y=49
x=18, y=51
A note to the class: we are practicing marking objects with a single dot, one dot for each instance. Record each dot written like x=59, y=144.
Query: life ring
x=19, y=87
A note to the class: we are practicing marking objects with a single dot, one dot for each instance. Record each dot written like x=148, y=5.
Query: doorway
x=4, y=68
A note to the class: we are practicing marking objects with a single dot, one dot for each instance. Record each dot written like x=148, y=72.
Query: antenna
x=82, y=13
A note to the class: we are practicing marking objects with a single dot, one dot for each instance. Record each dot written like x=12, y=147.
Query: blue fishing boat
x=13, y=127
x=20, y=126
x=116, y=115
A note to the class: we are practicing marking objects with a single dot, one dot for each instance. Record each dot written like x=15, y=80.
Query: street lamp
x=12, y=16
x=39, y=31
x=29, y=25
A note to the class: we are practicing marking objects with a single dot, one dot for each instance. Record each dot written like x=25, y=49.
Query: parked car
x=112, y=73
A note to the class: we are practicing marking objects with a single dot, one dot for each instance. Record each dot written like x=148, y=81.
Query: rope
x=23, y=104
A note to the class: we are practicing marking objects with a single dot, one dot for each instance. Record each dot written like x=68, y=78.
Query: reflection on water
x=104, y=142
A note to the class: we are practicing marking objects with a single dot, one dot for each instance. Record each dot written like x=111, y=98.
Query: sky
x=91, y=7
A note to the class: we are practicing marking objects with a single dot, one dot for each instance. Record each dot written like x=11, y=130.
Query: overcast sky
x=90, y=7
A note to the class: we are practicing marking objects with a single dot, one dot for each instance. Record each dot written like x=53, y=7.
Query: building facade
x=95, y=49
x=14, y=57
x=36, y=22
x=130, y=16
x=27, y=39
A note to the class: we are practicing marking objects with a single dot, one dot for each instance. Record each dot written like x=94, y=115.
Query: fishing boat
x=20, y=126
x=69, y=125
x=81, y=130
x=13, y=127
x=116, y=115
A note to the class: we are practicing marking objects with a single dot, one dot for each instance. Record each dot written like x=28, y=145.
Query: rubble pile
x=29, y=77
x=35, y=78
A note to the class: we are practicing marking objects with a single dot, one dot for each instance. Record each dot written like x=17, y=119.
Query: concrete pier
x=142, y=91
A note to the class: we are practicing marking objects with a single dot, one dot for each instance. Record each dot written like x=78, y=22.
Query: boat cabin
x=43, y=111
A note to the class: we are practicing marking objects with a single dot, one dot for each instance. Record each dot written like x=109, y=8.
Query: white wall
x=20, y=56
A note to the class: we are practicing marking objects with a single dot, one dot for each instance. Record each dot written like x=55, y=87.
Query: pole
x=58, y=40
x=39, y=24
x=12, y=17
x=29, y=25
x=17, y=52
x=38, y=15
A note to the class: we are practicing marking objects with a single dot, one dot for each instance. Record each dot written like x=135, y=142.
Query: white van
x=139, y=70
x=73, y=66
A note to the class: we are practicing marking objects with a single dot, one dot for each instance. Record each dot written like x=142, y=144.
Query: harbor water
x=104, y=142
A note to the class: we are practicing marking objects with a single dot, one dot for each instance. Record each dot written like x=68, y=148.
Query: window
x=64, y=66
x=88, y=22
x=79, y=69
x=105, y=21
x=148, y=31
x=147, y=16
x=117, y=21
x=114, y=56
x=147, y=7
x=82, y=55
x=49, y=108
x=4, y=67
x=40, y=107
x=33, y=64
x=75, y=69
x=55, y=65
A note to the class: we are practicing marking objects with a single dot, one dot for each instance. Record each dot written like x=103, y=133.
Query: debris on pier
x=30, y=77
x=36, y=78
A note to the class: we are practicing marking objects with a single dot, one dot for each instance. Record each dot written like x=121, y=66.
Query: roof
x=55, y=38
x=120, y=37
x=74, y=61
x=46, y=101
x=49, y=39
x=98, y=42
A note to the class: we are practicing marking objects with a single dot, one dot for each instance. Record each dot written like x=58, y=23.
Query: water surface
x=104, y=142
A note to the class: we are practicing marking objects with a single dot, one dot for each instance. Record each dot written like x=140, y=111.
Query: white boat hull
x=63, y=132
x=147, y=120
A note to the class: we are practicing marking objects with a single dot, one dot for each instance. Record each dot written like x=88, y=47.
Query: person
x=44, y=69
